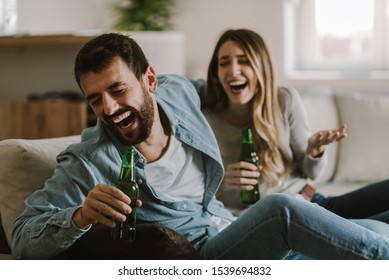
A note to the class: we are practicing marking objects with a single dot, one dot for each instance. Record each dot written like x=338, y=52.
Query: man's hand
x=317, y=142
x=101, y=203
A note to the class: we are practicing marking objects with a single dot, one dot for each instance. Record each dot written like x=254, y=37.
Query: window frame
x=300, y=44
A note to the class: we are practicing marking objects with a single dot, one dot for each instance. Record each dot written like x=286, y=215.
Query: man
x=178, y=169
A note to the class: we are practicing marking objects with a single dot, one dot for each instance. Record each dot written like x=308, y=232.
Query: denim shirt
x=46, y=228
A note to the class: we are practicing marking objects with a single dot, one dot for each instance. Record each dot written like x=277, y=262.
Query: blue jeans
x=279, y=223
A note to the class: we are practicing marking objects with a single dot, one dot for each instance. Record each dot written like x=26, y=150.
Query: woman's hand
x=317, y=142
x=102, y=202
x=241, y=175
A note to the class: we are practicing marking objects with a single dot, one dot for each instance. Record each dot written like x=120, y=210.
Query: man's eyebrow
x=91, y=96
x=117, y=84
x=111, y=87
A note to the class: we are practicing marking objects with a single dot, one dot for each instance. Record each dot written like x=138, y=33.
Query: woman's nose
x=235, y=69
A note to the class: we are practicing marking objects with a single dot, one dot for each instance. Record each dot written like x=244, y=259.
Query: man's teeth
x=118, y=119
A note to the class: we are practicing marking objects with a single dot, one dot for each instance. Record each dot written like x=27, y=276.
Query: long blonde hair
x=266, y=111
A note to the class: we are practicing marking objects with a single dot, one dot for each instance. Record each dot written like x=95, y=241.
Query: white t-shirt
x=179, y=173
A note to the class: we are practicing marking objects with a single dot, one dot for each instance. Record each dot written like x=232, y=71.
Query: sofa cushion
x=24, y=166
x=322, y=114
x=363, y=155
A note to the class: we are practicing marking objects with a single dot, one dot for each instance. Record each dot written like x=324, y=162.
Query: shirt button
x=64, y=222
x=184, y=206
x=141, y=160
x=140, y=182
x=177, y=120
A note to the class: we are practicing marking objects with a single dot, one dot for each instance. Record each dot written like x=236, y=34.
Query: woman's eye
x=244, y=61
x=223, y=63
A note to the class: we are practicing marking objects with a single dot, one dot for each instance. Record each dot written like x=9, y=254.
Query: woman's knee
x=277, y=203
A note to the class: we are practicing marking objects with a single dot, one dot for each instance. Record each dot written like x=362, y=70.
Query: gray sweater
x=294, y=141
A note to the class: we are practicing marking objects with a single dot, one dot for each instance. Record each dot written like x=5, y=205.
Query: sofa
x=359, y=159
x=26, y=164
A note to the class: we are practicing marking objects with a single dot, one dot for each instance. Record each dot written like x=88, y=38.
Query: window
x=346, y=36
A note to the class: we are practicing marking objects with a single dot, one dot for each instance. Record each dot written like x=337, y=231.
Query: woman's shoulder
x=288, y=93
x=287, y=97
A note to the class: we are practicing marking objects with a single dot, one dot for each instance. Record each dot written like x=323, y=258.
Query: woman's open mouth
x=237, y=86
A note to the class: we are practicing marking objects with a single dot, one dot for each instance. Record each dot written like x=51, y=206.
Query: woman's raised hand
x=317, y=142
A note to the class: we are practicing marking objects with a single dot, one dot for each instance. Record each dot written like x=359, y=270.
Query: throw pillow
x=363, y=155
x=322, y=114
x=24, y=167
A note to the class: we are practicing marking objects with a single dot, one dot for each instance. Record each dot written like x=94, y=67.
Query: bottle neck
x=247, y=136
x=127, y=171
x=247, y=153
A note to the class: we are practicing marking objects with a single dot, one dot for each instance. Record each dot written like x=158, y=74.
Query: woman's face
x=236, y=74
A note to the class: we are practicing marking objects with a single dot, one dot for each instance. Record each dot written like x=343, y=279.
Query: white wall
x=54, y=16
x=201, y=21
x=204, y=20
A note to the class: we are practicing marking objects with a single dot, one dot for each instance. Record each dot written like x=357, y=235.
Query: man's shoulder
x=175, y=83
x=167, y=79
x=178, y=89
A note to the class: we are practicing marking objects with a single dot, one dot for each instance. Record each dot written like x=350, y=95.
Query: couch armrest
x=17, y=181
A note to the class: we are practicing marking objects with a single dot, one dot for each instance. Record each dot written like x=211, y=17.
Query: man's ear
x=150, y=79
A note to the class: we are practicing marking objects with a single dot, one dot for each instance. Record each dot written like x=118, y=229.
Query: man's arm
x=46, y=227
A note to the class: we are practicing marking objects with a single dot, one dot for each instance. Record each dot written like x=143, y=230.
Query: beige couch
x=362, y=157
x=24, y=167
x=359, y=159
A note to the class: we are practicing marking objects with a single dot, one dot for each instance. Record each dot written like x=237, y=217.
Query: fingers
x=241, y=175
x=242, y=165
x=104, y=203
x=326, y=137
x=105, y=199
x=240, y=183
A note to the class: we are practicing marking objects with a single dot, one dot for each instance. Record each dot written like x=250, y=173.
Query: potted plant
x=144, y=15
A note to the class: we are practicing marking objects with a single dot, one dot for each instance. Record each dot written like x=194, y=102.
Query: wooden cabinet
x=41, y=119
x=43, y=41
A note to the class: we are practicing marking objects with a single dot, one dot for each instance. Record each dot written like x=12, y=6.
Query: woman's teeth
x=238, y=85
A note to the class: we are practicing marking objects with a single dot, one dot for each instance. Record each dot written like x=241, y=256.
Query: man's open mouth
x=124, y=120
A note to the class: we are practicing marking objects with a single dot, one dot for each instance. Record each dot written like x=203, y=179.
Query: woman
x=241, y=92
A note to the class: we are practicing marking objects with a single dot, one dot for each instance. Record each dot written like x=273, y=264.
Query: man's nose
x=110, y=105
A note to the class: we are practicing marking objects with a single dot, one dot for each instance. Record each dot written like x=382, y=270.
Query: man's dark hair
x=99, y=52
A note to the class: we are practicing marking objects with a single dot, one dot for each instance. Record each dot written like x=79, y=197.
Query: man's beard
x=145, y=116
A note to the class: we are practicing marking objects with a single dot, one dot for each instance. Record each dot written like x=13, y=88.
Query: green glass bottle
x=125, y=231
x=249, y=155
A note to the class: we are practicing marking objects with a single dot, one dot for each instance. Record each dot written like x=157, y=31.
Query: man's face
x=120, y=101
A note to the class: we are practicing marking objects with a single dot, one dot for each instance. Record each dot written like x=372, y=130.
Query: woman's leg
x=365, y=202
x=279, y=223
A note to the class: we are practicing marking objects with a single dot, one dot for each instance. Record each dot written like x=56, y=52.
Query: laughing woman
x=241, y=92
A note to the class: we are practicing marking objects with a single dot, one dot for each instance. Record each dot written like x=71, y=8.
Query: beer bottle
x=249, y=155
x=125, y=231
